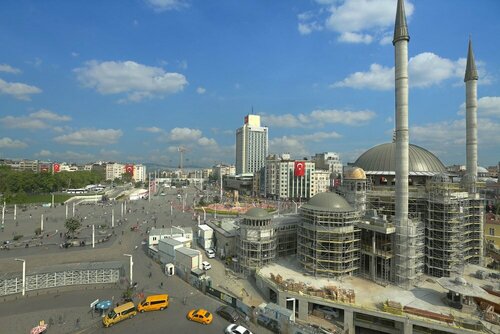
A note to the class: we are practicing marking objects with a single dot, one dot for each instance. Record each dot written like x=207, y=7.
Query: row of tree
x=13, y=182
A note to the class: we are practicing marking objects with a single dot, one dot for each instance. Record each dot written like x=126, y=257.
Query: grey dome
x=328, y=202
x=257, y=213
x=382, y=158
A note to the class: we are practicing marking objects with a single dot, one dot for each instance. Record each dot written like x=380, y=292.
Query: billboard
x=300, y=168
x=56, y=167
x=129, y=169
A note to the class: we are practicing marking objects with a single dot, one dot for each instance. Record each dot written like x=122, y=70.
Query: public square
x=67, y=310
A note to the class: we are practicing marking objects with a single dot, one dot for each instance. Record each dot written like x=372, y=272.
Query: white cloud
x=356, y=21
x=447, y=139
x=425, y=69
x=288, y=144
x=136, y=80
x=184, y=134
x=200, y=90
x=18, y=90
x=49, y=115
x=74, y=54
x=164, y=5
x=353, y=37
x=8, y=143
x=108, y=153
x=90, y=137
x=43, y=154
x=296, y=145
x=343, y=117
x=282, y=121
x=9, y=69
x=318, y=118
x=204, y=141
x=36, y=120
x=152, y=129
x=12, y=122
x=486, y=106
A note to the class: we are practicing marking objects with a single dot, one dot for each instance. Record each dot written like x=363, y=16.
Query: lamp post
x=293, y=307
x=93, y=236
x=113, y=217
x=131, y=268
x=24, y=274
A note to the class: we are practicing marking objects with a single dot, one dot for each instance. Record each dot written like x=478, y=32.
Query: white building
x=329, y=161
x=320, y=181
x=251, y=145
x=282, y=180
x=224, y=170
x=139, y=173
x=114, y=171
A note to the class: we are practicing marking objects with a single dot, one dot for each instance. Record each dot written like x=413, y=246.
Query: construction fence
x=61, y=276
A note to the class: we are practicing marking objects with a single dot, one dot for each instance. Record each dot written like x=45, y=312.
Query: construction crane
x=181, y=150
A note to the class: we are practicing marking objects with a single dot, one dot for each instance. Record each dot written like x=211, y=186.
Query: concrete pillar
x=374, y=258
x=408, y=327
x=349, y=321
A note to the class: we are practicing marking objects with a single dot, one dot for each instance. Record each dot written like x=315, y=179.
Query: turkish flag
x=57, y=168
x=129, y=169
x=300, y=168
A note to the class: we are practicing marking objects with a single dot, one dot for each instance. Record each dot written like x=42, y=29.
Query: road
x=68, y=311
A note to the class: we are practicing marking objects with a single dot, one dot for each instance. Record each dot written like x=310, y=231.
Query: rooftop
x=427, y=296
x=381, y=158
x=328, y=202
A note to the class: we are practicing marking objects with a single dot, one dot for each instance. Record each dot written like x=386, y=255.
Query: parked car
x=228, y=313
x=236, y=329
x=210, y=253
x=205, y=265
x=200, y=315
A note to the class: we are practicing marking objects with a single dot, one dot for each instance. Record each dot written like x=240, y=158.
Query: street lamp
x=24, y=274
x=131, y=267
x=293, y=307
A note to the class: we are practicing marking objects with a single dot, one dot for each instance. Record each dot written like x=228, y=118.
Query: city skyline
x=135, y=82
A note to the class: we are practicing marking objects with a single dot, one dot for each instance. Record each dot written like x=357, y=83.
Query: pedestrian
x=150, y=274
x=161, y=285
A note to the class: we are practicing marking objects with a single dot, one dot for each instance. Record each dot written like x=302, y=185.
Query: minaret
x=400, y=42
x=470, y=80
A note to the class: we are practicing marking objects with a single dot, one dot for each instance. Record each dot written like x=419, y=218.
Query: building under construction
x=328, y=238
x=257, y=240
x=444, y=229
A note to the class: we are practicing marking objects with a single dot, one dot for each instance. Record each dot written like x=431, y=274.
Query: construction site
x=328, y=238
x=257, y=240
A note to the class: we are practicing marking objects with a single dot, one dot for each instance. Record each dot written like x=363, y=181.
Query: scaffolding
x=257, y=243
x=453, y=228
x=377, y=249
x=328, y=242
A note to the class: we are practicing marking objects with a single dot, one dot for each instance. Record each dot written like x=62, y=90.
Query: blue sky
x=133, y=80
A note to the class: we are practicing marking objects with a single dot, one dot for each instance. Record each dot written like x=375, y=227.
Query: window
x=492, y=231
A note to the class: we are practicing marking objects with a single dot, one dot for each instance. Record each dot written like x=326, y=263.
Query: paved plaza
x=68, y=309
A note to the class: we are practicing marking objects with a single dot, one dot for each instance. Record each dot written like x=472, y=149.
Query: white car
x=205, y=265
x=210, y=253
x=236, y=329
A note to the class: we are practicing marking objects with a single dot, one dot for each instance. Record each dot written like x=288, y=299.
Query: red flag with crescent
x=300, y=168
x=129, y=169
x=56, y=167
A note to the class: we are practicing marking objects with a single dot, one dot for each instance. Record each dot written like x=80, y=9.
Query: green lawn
x=34, y=199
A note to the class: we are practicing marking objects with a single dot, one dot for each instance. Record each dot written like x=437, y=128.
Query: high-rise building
x=251, y=145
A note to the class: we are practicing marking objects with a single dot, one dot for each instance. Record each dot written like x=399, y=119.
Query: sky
x=132, y=81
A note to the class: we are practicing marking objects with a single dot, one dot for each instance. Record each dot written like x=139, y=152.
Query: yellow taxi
x=200, y=315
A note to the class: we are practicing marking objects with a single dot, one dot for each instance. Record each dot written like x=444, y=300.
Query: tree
x=72, y=224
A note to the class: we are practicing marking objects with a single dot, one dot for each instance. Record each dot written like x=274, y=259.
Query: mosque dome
x=257, y=213
x=328, y=202
x=382, y=158
x=354, y=173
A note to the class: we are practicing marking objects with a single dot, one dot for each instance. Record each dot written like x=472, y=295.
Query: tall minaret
x=470, y=80
x=400, y=42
